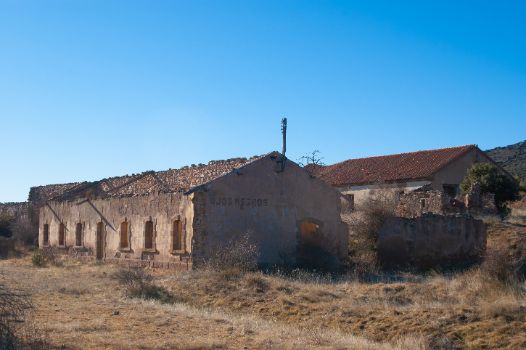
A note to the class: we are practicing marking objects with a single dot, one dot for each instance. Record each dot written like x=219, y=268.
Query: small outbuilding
x=180, y=217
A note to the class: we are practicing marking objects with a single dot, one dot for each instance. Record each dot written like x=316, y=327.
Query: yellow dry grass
x=79, y=306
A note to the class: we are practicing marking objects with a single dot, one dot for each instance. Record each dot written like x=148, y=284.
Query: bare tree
x=313, y=158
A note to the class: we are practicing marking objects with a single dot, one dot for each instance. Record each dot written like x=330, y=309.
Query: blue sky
x=91, y=89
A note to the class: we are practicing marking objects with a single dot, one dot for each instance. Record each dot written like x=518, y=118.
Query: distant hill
x=512, y=158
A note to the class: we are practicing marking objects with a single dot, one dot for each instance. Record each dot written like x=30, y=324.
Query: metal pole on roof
x=284, y=132
x=284, y=150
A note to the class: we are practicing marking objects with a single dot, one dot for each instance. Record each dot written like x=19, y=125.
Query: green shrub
x=39, y=259
x=491, y=180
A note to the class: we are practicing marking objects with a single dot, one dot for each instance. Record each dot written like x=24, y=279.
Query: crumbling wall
x=15, y=222
x=14, y=209
x=479, y=202
x=431, y=240
x=418, y=203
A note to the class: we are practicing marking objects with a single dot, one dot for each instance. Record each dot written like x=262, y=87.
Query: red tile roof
x=391, y=168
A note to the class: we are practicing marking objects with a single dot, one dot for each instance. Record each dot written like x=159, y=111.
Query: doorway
x=100, y=241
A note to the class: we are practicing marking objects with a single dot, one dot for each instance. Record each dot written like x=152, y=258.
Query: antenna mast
x=284, y=132
x=284, y=149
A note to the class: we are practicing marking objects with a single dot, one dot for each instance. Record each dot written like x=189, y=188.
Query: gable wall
x=455, y=172
x=268, y=205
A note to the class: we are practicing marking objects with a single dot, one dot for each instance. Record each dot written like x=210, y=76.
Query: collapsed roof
x=172, y=180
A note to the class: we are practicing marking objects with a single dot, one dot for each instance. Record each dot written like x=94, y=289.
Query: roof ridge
x=404, y=153
x=392, y=167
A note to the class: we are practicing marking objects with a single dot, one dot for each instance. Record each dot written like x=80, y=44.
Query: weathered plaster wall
x=431, y=239
x=162, y=209
x=455, y=172
x=363, y=192
x=268, y=205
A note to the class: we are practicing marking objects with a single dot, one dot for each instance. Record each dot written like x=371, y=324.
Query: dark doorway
x=100, y=241
x=311, y=252
x=125, y=244
x=450, y=190
x=46, y=234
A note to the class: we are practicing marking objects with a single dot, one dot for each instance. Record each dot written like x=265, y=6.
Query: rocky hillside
x=512, y=158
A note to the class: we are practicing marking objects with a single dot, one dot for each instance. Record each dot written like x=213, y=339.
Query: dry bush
x=239, y=254
x=257, y=282
x=13, y=306
x=47, y=255
x=497, y=265
x=307, y=277
x=508, y=306
x=139, y=284
x=364, y=225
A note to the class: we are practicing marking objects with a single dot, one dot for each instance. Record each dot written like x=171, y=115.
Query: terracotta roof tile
x=390, y=168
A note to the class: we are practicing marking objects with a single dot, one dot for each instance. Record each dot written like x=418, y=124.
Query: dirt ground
x=80, y=306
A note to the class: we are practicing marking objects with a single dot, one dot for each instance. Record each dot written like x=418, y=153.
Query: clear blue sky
x=91, y=89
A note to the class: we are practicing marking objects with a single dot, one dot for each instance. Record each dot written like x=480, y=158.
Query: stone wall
x=14, y=209
x=161, y=209
x=16, y=222
x=431, y=240
x=418, y=203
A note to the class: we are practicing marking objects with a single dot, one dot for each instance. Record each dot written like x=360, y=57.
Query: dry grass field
x=81, y=306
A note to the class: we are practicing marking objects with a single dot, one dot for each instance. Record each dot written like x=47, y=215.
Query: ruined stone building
x=431, y=222
x=440, y=170
x=184, y=216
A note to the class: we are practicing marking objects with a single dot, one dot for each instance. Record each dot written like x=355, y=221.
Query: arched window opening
x=46, y=234
x=62, y=235
x=148, y=235
x=125, y=242
x=99, y=245
x=177, y=236
x=78, y=234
